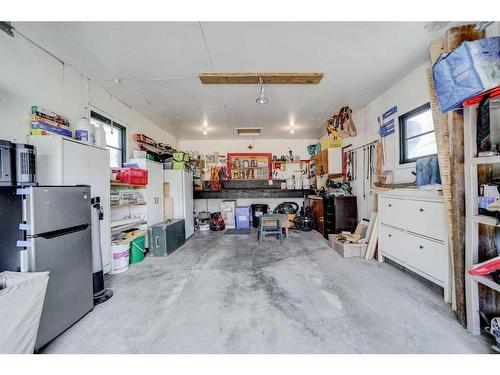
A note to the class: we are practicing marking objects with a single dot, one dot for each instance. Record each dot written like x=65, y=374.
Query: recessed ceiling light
x=205, y=132
x=292, y=131
x=261, y=99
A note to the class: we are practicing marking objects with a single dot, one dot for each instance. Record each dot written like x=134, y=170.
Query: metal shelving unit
x=474, y=219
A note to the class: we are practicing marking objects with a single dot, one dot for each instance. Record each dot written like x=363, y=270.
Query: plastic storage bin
x=133, y=176
x=242, y=217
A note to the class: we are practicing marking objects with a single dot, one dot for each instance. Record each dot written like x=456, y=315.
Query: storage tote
x=467, y=71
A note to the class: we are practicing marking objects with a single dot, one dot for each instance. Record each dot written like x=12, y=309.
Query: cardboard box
x=36, y=125
x=166, y=189
x=347, y=250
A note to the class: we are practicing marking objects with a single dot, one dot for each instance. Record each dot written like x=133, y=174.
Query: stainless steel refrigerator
x=48, y=228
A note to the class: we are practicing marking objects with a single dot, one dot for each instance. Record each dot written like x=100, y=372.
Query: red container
x=133, y=176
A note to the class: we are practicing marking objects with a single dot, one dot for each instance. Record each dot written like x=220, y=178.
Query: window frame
x=403, y=159
x=123, y=133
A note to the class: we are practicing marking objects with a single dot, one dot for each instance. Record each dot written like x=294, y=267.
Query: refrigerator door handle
x=63, y=232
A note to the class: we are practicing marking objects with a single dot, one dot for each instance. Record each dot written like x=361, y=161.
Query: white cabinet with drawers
x=413, y=233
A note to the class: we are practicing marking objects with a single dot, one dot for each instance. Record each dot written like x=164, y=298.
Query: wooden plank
x=267, y=78
x=450, y=142
x=372, y=243
x=454, y=37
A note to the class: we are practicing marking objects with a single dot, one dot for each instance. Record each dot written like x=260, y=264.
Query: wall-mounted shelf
x=127, y=205
x=121, y=225
x=487, y=220
x=115, y=183
x=485, y=160
x=488, y=281
x=474, y=219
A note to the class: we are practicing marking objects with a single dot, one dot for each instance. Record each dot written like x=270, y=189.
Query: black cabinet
x=340, y=214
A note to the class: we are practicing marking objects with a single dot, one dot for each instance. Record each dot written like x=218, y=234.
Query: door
x=334, y=160
x=52, y=208
x=188, y=203
x=69, y=294
x=317, y=206
x=87, y=165
x=158, y=191
x=154, y=193
x=75, y=163
x=100, y=187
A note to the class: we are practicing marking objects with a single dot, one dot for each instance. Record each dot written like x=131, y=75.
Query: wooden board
x=372, y=243
x=267, y=78
x=450, y=144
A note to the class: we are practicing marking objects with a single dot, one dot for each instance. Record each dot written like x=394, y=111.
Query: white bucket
x=120, y=254
x=290, y=184
x=298, y=183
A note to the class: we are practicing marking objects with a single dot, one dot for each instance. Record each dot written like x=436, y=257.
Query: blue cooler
x=242, y=217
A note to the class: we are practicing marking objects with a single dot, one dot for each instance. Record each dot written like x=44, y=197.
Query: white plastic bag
x=21, y=302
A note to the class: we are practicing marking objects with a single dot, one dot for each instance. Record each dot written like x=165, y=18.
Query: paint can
x=120, y=253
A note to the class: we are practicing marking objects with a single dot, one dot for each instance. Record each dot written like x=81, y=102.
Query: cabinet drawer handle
x=421, y=210
x=421, y=247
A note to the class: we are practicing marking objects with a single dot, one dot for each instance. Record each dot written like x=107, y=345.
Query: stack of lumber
x=353, y=244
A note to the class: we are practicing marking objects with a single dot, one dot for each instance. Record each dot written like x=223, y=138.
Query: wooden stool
x=273, y=229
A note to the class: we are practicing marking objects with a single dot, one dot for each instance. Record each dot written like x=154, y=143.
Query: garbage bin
x=21, y=302
x=258, y=209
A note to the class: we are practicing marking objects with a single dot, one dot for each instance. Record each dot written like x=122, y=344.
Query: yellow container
x=331, y=140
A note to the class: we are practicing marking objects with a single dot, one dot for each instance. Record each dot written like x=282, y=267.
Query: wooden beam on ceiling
x=267, y=78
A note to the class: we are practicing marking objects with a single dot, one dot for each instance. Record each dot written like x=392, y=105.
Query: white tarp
x=21, y=302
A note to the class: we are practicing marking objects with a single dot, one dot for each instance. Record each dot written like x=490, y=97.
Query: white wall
x=407, y=94
x=30, y=76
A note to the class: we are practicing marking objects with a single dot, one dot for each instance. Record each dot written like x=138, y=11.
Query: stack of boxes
x=44, y=122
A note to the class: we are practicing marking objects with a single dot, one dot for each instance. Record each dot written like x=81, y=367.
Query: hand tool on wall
x=364, y=170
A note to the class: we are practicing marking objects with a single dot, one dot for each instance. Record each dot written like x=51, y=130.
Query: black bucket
x=258, y=209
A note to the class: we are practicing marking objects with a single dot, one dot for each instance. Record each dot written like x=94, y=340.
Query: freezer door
x=69, y=295
x=54, y=208
x=11, y=215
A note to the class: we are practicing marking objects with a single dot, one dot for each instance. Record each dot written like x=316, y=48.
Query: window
x=115, y=138
x=416, y=134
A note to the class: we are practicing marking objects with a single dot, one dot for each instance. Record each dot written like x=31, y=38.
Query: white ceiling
x=359, y=59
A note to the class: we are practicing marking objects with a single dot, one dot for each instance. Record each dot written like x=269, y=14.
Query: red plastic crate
x=133, y=176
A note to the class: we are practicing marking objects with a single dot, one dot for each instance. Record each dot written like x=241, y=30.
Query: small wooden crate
x=347, y=250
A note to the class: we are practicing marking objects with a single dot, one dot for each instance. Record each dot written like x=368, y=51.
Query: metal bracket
x=22, y=191
x=23, y=226
x=24, y=244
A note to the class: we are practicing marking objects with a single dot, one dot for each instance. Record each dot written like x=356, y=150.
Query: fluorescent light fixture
x=261, y=99
x=248, y=132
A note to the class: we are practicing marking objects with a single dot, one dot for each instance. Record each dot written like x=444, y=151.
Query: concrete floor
x=223, y=294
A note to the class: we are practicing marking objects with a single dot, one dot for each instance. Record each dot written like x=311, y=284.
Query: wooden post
x=450, y=142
